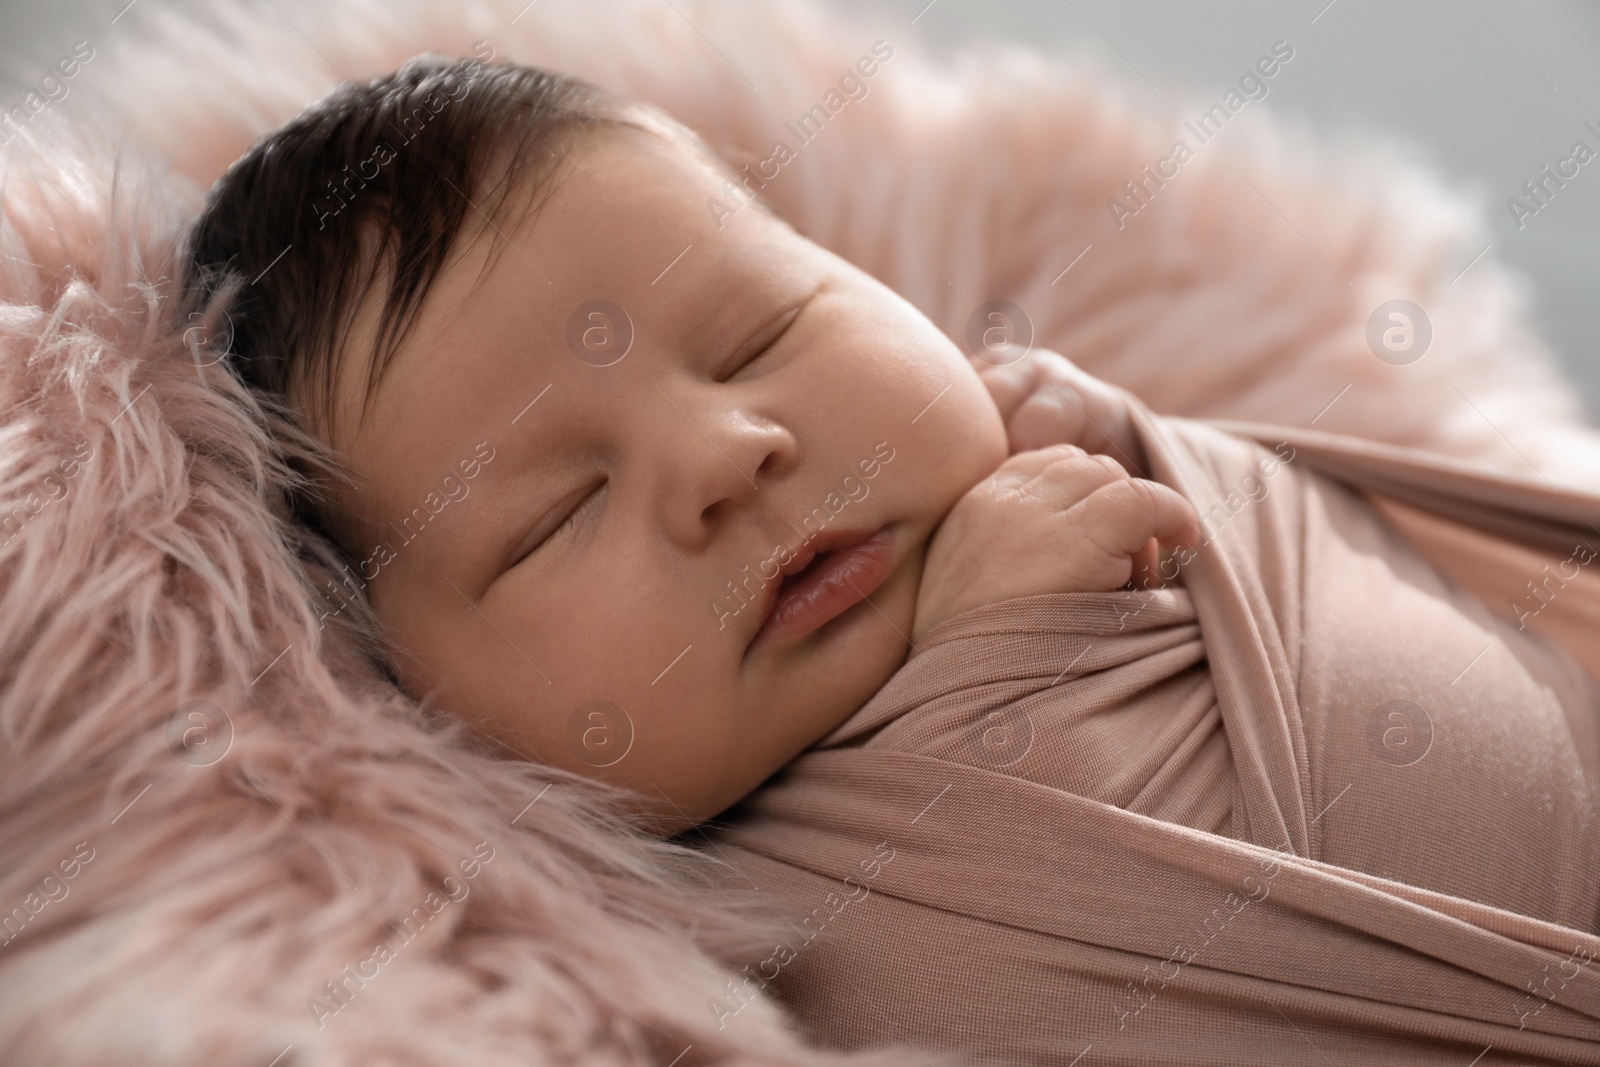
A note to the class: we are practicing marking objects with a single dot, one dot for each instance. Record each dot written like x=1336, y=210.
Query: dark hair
x=374, y=179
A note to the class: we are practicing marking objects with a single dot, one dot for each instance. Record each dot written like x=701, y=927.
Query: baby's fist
x=1055, y=520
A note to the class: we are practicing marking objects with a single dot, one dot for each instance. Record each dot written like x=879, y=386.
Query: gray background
x=1491, y=90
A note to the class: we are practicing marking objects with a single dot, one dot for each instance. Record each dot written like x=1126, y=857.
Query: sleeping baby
x=699, y=484
x=674, y=498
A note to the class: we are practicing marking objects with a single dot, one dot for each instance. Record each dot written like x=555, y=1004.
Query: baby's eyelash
x=788, y=322
x=757, y=356
x=562, y=525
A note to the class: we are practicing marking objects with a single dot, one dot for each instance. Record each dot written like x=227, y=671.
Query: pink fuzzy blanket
x=224, y=841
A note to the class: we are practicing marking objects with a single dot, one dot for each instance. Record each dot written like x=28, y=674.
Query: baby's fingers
x=1052, y=414
x=1095, y=410
x=1123, y=516
x=1010, y=384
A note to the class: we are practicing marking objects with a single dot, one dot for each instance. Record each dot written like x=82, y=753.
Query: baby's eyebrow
x=746, y=291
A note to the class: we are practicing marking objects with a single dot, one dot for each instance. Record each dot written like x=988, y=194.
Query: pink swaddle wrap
x=1317, y=801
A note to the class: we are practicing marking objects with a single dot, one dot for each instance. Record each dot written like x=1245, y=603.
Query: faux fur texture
x=211, y=886
x=189, y=884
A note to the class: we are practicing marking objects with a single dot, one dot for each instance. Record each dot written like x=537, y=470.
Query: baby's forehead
x=616, y=193
x=635, y=216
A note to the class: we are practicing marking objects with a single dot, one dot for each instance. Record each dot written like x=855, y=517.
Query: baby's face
x=581, y=599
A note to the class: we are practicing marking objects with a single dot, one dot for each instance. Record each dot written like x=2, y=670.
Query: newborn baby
x=640, y=488
x=654, y=489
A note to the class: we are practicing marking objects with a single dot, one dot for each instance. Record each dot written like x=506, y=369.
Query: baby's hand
x=1056, y=520
x=1045, y=399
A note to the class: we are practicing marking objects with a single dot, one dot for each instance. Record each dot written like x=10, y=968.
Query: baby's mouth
x=792, y=577
x=840, y=570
